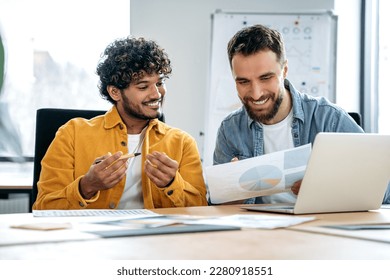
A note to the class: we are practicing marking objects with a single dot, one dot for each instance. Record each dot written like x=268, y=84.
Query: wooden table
x=299, y=242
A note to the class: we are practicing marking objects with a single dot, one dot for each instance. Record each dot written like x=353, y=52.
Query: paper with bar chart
x=258, y=176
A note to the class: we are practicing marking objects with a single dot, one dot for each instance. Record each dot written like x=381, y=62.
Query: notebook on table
x=346, y=172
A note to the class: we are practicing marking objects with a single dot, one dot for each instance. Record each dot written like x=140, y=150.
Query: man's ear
x=285, y=69
x=114, y=92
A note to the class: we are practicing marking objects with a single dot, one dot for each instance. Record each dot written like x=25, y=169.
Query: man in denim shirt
x=274, y=116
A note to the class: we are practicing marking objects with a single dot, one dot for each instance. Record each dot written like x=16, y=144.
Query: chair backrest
x=48, y=121
x=357, y=117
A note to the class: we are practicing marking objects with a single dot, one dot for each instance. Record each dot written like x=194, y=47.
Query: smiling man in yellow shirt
x=83, y=167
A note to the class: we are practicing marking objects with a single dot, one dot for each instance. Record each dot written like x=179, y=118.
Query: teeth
x=260, y=102
x=156, y=103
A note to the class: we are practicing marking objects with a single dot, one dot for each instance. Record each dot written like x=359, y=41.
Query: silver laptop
x=346, y=172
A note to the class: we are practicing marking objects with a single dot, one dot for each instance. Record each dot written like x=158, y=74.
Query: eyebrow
x=141, y=82
x=267, y=74
x=240, y=79
x=261, y=76
x=148, y=81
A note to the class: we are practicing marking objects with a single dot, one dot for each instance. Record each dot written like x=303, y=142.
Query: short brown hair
x=255, y=38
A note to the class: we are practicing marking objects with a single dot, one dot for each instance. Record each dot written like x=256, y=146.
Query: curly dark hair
x=129, y=59
x=253, y=39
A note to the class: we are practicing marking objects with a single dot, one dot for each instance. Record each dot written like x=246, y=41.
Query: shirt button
x=81, y=204
x=170, y=192
x=121, y=126
x=123, y=143
x=112, y=205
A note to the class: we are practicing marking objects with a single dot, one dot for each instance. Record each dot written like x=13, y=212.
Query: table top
x=298, y=242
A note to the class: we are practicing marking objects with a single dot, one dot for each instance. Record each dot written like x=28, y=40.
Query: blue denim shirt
x=240, y=136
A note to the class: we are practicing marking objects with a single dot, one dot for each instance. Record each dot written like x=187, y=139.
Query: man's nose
x=257, y=91
x=156, y=91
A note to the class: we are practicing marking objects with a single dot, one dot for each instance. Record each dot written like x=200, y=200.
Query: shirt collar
x=112, y=119
x=296, y=100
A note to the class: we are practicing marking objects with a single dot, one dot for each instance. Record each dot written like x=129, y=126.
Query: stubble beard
x=131, y=110
x=267, y=116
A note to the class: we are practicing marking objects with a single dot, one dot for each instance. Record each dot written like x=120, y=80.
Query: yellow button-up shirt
x=79, y=142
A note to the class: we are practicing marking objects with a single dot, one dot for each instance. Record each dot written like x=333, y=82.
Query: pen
x=126, y=156
x=129, y=155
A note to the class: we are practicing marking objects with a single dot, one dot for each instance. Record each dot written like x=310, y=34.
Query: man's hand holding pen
x=108, y=170
x=160, y=169
x=104, y=173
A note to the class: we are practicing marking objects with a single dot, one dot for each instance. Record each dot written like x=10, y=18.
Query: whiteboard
x=310, y=42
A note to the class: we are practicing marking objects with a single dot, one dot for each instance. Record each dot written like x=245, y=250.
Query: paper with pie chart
x=258, y=176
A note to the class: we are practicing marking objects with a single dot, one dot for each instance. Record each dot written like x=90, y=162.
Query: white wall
x=348, y=54
x=183, y=28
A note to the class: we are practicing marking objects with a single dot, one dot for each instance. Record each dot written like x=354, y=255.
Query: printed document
x=258, y=176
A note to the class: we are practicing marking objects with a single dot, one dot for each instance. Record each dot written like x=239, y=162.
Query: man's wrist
x=85, y=194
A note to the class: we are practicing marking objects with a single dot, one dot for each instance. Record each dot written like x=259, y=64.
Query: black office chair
x=357, y=117
x=48, y=121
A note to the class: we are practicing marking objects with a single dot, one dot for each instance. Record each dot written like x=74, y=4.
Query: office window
x=384, y=68
x=51, y=49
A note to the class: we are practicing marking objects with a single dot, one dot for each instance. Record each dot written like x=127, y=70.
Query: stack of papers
x=238, y=221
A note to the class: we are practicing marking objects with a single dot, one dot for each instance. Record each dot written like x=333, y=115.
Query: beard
x=135, y=111
x=260, y=117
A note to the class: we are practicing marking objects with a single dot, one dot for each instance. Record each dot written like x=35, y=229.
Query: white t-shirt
x=132, y=194
x=278, y=137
